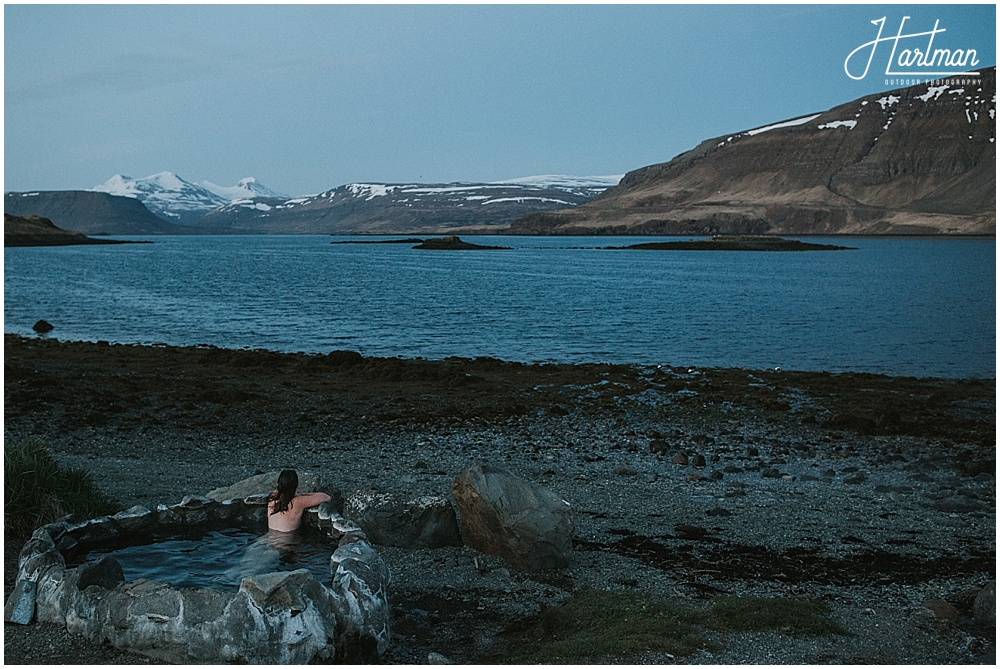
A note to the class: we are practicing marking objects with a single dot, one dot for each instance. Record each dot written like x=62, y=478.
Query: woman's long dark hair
x=288, y=481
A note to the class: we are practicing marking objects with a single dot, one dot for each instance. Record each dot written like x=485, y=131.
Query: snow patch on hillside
x=783, y=124
x=933, y=92
x=560, y=181
x=837, y=124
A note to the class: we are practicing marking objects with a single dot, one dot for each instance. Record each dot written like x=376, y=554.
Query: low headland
x=38, y=231
x=869, y=500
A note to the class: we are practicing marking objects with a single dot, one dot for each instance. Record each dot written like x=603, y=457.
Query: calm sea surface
x=924, y=307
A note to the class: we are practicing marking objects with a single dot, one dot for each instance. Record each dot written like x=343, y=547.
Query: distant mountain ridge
x=156, y=201
x=916, y=160
x=409, y=207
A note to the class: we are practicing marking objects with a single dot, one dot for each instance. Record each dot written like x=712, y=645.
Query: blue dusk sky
x=309, y=97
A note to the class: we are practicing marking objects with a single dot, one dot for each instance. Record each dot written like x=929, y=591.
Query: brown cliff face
x=918, y=160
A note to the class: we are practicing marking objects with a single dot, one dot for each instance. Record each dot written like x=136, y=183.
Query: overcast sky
x=309, y=97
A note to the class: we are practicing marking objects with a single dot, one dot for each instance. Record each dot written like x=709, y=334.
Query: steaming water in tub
x=220, y=559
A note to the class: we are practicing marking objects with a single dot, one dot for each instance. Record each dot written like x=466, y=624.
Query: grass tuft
x=38, y=491
x=596, y=625
x=794, y=616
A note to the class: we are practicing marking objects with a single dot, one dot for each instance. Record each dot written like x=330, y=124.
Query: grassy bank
x=38, y=491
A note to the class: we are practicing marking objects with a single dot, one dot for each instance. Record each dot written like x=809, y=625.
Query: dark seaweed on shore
x=210, y=387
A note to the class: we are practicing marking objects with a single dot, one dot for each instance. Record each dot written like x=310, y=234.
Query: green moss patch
x=38, y=491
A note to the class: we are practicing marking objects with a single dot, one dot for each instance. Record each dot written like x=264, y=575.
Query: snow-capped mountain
x=246, y=189
x=174, y=199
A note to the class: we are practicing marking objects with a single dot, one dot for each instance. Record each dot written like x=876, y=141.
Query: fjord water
x=899, y=306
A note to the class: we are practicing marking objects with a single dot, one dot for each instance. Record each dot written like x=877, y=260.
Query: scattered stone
x=679, y=459
x=624, y=470
x=732, y=469
x=718, y=511
x=43, y=327
x=752, y=451
x=984, y=609
x=344, y=358
x=20, y=606
x=653, y=478
x=658, y=447
x=715, y=475
x=527, y=525
x=771, y=473
x=695, y=477
x=942, y=609
x=855, y=480
x=698, y=460
x=808, y=477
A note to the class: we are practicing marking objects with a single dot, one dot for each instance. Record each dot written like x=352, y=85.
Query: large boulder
x=389, y=520
x=262, y=484
x=985, y=606
x=527, y=525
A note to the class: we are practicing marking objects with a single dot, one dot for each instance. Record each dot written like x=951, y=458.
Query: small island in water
x=735, y=243
x=447, y=243
x=453, y=243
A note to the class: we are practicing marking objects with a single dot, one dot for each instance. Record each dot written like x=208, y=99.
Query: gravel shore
x=874, y=495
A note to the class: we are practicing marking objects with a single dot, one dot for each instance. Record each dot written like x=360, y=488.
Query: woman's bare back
x=290, y=519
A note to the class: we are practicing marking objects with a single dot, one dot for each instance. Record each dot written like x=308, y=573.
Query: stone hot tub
x=285, y=617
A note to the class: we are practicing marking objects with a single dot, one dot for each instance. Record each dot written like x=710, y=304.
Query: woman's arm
x=311, y=499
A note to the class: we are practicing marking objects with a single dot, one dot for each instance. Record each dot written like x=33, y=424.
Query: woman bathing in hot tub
x=285, y=508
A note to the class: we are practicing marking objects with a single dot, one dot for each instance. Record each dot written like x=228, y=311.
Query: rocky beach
x=872, y=494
